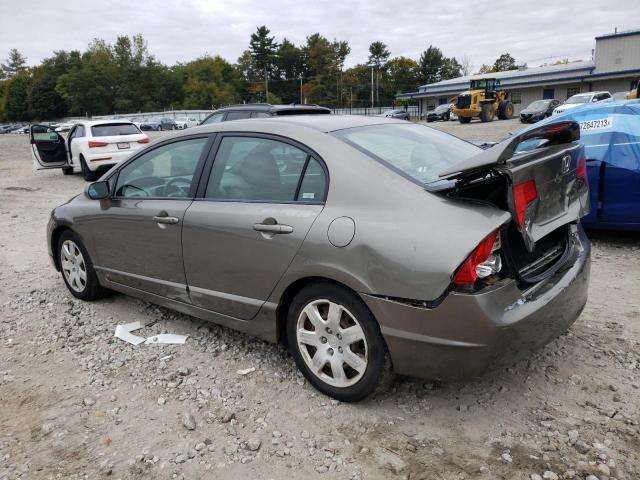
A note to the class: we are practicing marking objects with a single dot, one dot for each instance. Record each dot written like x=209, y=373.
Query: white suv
x=185, y=122
x=581, y=99
x=91, y=147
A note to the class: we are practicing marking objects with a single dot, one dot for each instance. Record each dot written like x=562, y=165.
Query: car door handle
x=275, y=228
x=166, y=220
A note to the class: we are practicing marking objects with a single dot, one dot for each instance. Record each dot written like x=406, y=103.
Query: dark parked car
x=168, y=124
x=446, y=257
x=398, y=113
x=441, y=112
x=150, y=125
x=262, y=110
x=538, y=110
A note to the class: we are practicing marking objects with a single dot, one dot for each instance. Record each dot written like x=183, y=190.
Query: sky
x=534, y=32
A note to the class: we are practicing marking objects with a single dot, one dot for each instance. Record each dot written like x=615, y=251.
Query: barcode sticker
x=308, y=195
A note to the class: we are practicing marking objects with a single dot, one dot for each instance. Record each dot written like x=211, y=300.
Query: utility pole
x=301, y=89
x=266, y=85
x=371, y=86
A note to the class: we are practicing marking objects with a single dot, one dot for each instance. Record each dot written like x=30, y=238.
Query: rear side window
x=213, y=118
x=114, y=129
x=260, y=115
x=261, y=169
x=238, y=115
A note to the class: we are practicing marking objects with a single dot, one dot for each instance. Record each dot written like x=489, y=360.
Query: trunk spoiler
x=554, y=134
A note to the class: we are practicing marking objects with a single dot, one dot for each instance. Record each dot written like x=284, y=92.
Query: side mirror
x=97, y=190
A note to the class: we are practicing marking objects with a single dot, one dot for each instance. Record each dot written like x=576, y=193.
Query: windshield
x=113, y=129
x=414, y=151
x=442, y=108
x=539, y=104
x=579, y=99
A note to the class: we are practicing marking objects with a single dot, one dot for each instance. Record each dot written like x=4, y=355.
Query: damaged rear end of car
x=526, y=281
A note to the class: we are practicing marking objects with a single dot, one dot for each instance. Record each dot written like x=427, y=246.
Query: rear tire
x=88, y=175
x=336, y=342
x=486, y=115
x=505, y=110
x=464, y=119
x=77, y=269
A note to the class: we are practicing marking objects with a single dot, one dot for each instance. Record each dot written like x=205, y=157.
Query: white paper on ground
x=166, y=338
x=123, y=332
x=246, y=371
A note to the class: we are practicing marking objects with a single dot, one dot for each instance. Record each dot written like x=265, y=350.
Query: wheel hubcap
x=73, y=266
x=332, y=343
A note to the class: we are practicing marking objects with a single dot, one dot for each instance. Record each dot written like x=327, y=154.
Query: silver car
x=354, y=240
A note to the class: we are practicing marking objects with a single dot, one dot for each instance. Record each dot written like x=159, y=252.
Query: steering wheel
x=179, y=191
x=134, y=187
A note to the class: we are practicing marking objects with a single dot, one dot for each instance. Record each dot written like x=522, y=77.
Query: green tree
x=209, y=82
x=263, y=50
x=431, y=61
x=505, y=62
x=15, y=63
x=16, y=104
x=378, y=54
x=403, y=74
x=450, y=68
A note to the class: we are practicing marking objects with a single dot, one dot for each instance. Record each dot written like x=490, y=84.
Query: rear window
x=415, y=151
x=114, y=129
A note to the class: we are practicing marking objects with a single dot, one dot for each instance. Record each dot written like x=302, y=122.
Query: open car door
x=48, y=148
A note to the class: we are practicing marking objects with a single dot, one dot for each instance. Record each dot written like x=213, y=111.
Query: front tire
x=486, y=115
x=88, y=175
x=77, y=269
x=464, y=119
x=336, y=342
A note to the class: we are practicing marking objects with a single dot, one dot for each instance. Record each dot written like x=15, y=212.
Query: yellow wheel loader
x=483, y=100
x=635, y=93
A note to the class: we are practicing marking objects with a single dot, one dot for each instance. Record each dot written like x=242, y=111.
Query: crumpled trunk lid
x=551, y=158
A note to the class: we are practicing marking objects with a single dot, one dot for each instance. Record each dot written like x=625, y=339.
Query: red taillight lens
x=466, y=274
x=94, y=144
x=581, y=170
x=144, y=140
x=523, y=194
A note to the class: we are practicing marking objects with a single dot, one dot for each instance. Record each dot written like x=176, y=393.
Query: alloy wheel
x=73, y=266
x=332, y=343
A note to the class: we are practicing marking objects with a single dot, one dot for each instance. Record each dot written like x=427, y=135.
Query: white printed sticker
x=308, y=195
x=597, y=124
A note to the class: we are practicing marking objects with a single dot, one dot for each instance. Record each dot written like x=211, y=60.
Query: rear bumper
x=468, y=334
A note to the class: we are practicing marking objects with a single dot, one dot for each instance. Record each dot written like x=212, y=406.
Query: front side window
x=164, y=172
x=260, y=115
x=261, y=169
x=416, y=151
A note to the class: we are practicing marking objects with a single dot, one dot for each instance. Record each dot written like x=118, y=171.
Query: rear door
x=48, y=148
x=253, y=212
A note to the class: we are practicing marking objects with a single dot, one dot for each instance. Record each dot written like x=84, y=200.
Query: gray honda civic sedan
x=359, y=242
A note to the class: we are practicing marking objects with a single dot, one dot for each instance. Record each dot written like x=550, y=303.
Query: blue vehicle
x=610, y=133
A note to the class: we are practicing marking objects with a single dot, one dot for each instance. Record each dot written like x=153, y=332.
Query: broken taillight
x=581, y=170
x=523, y=195
x=481, y=263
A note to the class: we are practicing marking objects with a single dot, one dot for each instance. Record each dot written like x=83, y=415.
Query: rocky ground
x=77, y=403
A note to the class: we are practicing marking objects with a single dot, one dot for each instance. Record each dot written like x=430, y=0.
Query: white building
x=615, y=67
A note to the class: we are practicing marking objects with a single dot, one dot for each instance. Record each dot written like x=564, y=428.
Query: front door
x=137, y=236
x=259, y=202
x=48, y=148
x=548, y=93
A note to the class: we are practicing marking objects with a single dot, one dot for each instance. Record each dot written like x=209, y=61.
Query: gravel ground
x=78, y=403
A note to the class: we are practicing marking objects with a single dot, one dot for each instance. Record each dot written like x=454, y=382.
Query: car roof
x=267, y=107
x=322, y=123
x=91, y=123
